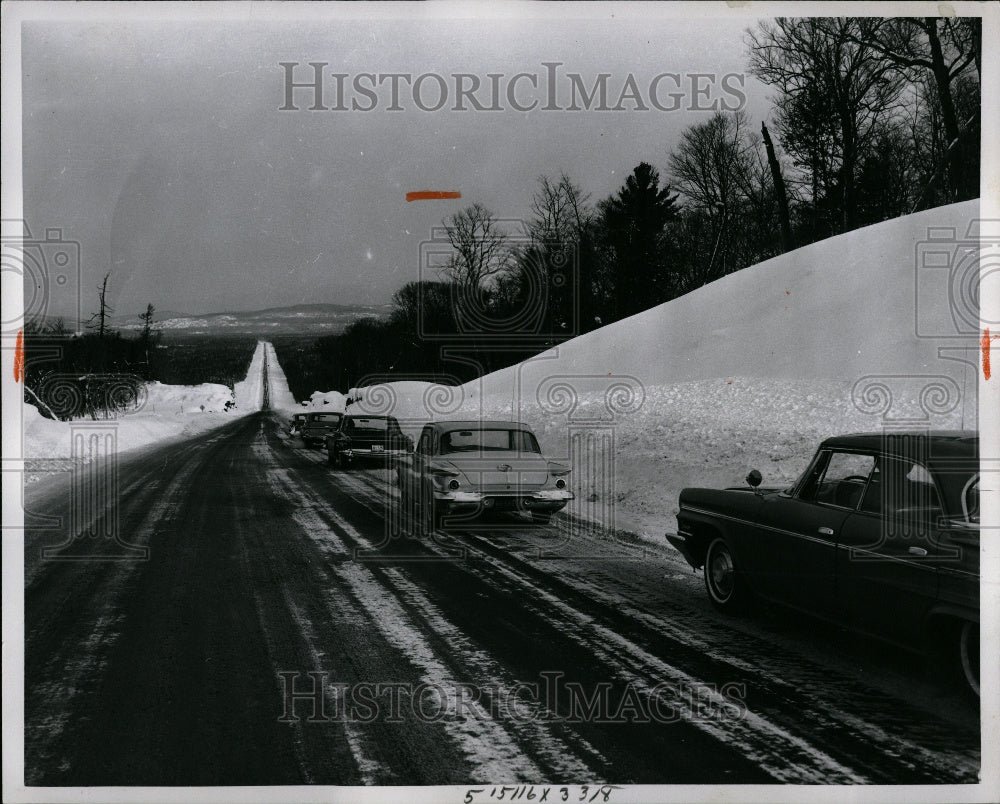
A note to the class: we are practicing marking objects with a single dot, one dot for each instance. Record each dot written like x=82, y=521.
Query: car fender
x=695, y=531
x=705, y=514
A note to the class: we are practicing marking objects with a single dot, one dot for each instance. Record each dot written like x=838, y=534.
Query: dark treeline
x=872, y=119
x=100, y=372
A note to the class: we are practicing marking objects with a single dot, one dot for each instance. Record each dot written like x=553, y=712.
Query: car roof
x=478, y=424
x=924, y=444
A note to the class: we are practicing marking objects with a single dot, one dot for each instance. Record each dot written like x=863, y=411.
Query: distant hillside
x=303, y=319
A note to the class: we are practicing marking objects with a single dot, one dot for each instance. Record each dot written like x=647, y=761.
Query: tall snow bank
x=249, y=393
x=326, y=400
x=752, y=370
x=46, y=438
x=841, y=308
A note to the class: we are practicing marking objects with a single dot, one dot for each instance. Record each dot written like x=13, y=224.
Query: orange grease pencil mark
x=431, y=195
x=19, y=357
x=984, y=344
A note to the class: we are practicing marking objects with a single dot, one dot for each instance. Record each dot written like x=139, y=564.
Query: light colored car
x=467, y=467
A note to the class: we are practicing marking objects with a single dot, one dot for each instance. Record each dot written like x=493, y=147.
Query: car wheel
x=968, y=647
x=342, y=462
x=331, y=457
x=725, y=584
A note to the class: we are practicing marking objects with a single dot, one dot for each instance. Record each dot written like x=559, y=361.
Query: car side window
x=901, y=485
x=424, y=445
x=842, y=481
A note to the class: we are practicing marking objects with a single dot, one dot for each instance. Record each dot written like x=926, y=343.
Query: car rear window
x=326, y=417
x=489, y=440
x=372, y=424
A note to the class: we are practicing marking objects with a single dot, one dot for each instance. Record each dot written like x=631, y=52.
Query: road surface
x=255, y=582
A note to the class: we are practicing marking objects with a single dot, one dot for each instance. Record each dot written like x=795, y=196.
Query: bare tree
x=560, y=210
x=828, y=67
x=99, y=320
x=947, y=51
x=780, y=193
x=559, y=253
x=147, y=329
x=482, y=248
x=946, y=48
x=711, y=161
x=719, y=166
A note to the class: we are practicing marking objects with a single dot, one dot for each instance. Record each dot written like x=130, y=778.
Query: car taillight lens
x=560, y=483
x=454, y=484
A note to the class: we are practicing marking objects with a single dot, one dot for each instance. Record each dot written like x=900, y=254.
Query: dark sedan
x=366, y=438
x=317, y=426
x=880, y=533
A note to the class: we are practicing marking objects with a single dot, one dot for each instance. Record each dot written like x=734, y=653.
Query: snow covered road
x=276, y=633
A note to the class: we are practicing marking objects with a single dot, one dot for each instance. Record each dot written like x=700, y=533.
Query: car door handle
x=826, y=531
x=917, y=551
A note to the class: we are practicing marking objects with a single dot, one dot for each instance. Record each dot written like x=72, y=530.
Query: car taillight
x=454, y=484
x=560, y=483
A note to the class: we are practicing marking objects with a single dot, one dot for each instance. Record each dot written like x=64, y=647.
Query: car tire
x=968, y=655
x=331, y=457
x=342, y=462
x=723, y=579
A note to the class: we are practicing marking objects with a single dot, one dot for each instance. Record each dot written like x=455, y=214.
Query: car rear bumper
x=543, y=501
x=374, y=454
x=680, y=541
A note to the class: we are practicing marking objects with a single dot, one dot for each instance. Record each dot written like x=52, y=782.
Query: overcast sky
x=162, y=149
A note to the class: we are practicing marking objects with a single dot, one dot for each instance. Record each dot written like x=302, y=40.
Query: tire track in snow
x=493, y=755
x=786, y=676
x=73, y=667
x=558, y=751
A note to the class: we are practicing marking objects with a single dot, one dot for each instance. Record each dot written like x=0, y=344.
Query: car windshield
x=489, y=440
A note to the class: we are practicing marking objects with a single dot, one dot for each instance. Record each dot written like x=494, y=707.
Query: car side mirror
x=754, y=478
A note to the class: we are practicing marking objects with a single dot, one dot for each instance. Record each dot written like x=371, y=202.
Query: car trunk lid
x=503, y=472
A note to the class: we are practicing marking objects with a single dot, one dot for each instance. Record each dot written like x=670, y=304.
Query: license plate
x=377, y=448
